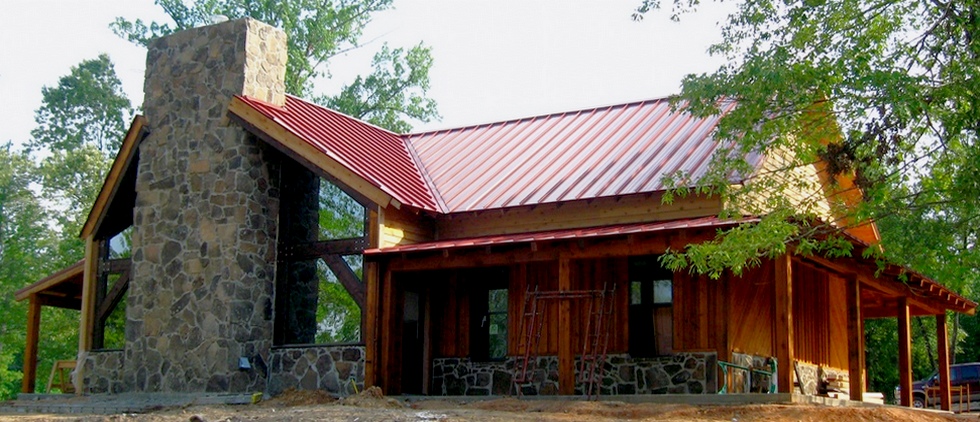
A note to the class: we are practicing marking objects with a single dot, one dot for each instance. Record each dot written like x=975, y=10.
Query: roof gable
x=118, y=193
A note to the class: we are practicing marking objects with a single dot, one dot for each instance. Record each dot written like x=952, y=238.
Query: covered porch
x=423, y=320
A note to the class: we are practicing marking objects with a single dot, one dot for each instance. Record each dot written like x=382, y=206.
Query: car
x=962, y=374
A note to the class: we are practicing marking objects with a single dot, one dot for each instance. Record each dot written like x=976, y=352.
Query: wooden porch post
x=855, y=343
x=371, y=278
x=566, y=359
x=30, y=349
x=942, y=346
x=90, y=280
x=784, y=322
x=904, y=352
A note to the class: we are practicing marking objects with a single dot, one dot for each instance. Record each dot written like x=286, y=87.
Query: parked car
x=961, y=374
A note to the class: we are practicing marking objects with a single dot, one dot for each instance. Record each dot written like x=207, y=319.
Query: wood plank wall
x=751, y=311
x=700, y=313
x=451, y=292
x=819, y=317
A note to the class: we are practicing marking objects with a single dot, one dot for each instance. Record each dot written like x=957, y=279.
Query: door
x=413, y=343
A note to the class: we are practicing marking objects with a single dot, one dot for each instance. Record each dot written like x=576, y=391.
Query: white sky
x=494, y=59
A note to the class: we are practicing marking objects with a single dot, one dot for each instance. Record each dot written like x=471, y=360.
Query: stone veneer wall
x=204, y=233
x=102, y=371
x=682, y=373
x=812, y=376
x=760, y=382
x=328, y=368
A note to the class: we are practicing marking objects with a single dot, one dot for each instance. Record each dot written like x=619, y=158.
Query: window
x=651, y=307
x=488, y=314
x=497, y=320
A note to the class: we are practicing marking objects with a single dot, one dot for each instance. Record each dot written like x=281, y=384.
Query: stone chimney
x=204, y=234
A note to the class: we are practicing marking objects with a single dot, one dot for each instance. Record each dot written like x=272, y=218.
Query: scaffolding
x=595, y=344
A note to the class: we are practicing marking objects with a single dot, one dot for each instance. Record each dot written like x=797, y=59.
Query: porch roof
x=62, y=289
x=563, y=234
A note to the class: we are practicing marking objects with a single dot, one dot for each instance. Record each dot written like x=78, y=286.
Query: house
x=518, y=257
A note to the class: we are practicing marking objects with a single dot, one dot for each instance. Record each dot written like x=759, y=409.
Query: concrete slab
x=117, y=403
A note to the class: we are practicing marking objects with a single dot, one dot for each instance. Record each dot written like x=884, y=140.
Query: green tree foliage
x=45, y=194
x=882, y=91
x=317, y=32
x=86, y=108
x=22, y=240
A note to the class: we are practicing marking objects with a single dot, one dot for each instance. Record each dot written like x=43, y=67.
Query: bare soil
x=371, y=405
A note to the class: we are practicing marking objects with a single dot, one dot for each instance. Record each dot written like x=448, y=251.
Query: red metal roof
x=563, y=234
x=376, y=155
x=600, y=152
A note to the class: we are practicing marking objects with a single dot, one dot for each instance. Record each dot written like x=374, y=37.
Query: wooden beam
x=942, y=347
x=566, y=359
x=855, y=351
x=619, y=246
x=30, y=348
x=123, y=159
x=90, y=281
x=59, y=301
x=112, y=298
x=784, y=322
x=306, y=251
x=348, y=279
x=387, y=359
x=894, y=288
x=370, y=324
x=86, y=322
x=904, y=353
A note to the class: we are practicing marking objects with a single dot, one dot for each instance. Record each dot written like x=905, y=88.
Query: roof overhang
x=119, y=184
x=62, y=289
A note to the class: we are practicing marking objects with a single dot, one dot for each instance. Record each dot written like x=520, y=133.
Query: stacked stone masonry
x=682, y=373
x=335, y=369
x=103, y=372
x=204, y=234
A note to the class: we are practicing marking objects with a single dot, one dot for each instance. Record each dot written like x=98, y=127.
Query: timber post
x=942, y=349
x=855, y=336
x=30, y=349
x=784, y=322
x=904, y=353
x=566, y=359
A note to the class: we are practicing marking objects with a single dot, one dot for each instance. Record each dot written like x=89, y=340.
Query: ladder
x=596, y=343
x=594, y=346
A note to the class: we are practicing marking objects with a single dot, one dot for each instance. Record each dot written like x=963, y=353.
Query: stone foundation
x=683, y=373
x=328, y=368
x=739, y=379
x=102, y=372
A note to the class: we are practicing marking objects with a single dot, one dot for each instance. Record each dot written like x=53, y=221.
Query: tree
x=87, y=107
x=883, y=92
x=317, y=32
x=22, y=240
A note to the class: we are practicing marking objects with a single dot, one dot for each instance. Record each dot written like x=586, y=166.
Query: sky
x=493, y=59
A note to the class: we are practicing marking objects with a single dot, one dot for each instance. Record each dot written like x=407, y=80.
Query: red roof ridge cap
x=538, y=116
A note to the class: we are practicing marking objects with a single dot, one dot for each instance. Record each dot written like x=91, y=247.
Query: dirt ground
x=372, y=406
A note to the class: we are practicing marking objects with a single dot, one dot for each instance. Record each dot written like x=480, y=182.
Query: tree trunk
x=956, y=338
x=925, y=336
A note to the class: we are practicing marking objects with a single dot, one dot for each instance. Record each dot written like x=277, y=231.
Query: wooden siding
x=576, y=214
x=700, y=313
x=819, y=317
x=750, y=311
x=400, y=227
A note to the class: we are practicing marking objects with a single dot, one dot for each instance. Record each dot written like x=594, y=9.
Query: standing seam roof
x=376, y=155
x=600, y=152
